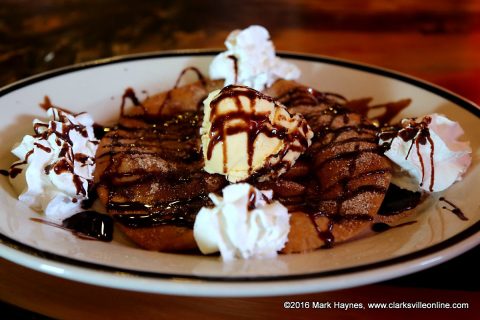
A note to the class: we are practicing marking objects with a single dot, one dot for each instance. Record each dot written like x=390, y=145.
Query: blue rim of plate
x=456, y=239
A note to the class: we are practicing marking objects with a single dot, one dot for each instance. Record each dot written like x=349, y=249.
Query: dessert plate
x=97, y=87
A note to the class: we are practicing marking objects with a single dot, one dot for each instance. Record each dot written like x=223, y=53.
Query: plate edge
x=445, y=93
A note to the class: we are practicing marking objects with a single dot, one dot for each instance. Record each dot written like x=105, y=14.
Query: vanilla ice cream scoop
x=245, y=133
x=246, y=223
x=56, y=164
x=250, y=60
x=428, y=152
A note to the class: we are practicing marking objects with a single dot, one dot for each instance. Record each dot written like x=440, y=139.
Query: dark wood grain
x=439, y=42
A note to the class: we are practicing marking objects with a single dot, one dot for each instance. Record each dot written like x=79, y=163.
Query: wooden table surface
x=436, y=41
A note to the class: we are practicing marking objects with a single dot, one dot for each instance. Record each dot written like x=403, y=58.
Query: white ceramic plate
x=97, y=87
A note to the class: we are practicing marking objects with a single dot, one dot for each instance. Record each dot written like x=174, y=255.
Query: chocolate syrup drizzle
x=313, y=202
x=252, y=199
x=453, y=209
x=251, y=123
x=130, y=94
x=43, y=131
x=180, y=213
x=419, y=134
x=170, y=130
x=172, y=138
x=197, y=72
x=305, y=96
x=235, y=66
x=390, y=109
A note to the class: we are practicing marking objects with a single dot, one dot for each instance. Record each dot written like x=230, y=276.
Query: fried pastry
x=343, y=178
x=149, y=169
x=150, y=173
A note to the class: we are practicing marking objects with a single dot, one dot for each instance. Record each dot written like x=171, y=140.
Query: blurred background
x=435, y=40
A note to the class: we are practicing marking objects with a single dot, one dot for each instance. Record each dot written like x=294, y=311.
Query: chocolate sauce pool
x=89, y=225
x=382, y=227
x=398, y=200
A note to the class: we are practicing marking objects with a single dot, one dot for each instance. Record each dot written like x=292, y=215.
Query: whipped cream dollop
x=250, y=60
x=428, y=153
x=56, y=164
x=244, y=224
x=245, y=132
